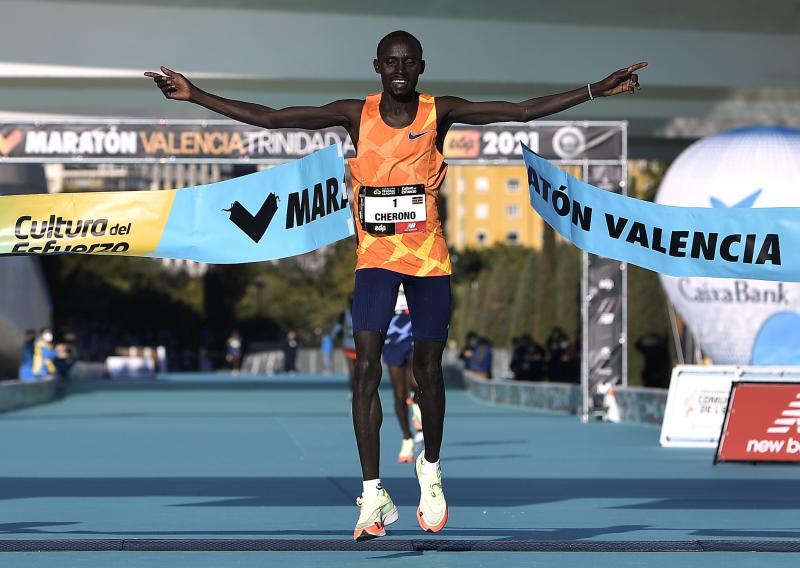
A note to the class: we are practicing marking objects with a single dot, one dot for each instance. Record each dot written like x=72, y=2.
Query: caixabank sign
x=762, y=423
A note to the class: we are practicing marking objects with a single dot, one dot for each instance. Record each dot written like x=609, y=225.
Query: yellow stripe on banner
x=125, y=222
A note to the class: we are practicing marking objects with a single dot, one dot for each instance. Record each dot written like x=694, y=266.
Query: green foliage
x=127, y=295
x=567, y=289
x=500, y=292
x=525, y=295
x=647, y=313
x=545, y=305
x=301, y=298
x=507, y=291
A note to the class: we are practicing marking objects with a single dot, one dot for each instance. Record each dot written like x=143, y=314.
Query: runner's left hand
x=623, y=81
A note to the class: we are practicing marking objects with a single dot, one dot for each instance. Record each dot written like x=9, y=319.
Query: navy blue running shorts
x=397, y=354
x=428, y=301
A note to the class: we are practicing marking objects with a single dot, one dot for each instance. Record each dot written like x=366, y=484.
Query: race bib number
x=392, y=210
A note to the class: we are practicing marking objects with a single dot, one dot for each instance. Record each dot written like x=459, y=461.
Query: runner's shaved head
x=397, y=35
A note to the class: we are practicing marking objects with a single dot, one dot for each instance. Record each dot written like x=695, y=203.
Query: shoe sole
x=432, y=528
x=405, y=459
x=377, y=529
x=421, y=520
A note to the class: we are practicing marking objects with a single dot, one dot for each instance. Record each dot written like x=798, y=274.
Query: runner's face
x=399, y=66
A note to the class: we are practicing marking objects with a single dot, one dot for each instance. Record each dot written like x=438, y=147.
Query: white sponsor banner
x=698, y=398
x=742, y=321
x=130, y=367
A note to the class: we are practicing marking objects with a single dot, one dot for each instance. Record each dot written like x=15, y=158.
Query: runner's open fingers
x=166, y=84
x=636, y=66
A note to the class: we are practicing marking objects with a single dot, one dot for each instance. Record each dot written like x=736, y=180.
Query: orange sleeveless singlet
x=399, y=163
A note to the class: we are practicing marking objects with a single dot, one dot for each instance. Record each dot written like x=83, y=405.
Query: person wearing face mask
x=44, y=354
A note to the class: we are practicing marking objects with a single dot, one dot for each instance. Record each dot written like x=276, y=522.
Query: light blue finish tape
x=759, y=243
x=288, y=210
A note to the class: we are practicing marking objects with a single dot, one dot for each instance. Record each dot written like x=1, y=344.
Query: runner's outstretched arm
x=453, y=110
x=344, y=113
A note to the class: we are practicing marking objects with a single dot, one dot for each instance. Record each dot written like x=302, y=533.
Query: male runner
x=398, y=352
x=399, y=135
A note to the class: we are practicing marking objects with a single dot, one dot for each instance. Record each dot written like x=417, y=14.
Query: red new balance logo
x=789, y=418
x=762, y=423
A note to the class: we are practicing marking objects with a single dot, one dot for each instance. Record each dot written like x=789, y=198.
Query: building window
x=512, y=211
x=482, y=184
x=512, y=238
x=480, y=236
x=482, y=211
x=512, y=185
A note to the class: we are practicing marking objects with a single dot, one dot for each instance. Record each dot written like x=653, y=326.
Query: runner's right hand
x=174, y=85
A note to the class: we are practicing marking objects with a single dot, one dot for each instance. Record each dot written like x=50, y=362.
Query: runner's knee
x=367, y=374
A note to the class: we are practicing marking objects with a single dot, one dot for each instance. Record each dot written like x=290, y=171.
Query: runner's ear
x=376, y=66
x=421, y=66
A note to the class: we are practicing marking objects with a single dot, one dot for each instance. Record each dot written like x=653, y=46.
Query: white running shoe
x=432, y=510
x=406, y=451
x=377, y=511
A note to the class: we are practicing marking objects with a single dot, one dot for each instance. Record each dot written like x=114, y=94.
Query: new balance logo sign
x=606, y=319
x=773, y=446
x=789, y=418
x=762, y=423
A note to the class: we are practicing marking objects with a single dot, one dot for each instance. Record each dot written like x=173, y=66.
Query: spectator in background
x=527, y=360
x=26, y=365
x=469, y=347
x=62, y=360
x=480, y=361
x=572, y=362
x=326, y=346
x=233, y=351
x=657, y=363
x=557, y=347
x=290, y=352
x=516, y=356
x=44, y=354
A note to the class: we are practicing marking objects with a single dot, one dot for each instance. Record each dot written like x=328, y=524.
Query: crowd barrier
x=87, y=371
x=557, y=397
x=309, y=361
x=641, y=404
x=16, y=394
x=635, y=404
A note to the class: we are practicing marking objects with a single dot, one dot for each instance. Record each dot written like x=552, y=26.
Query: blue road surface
x=220, y=459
